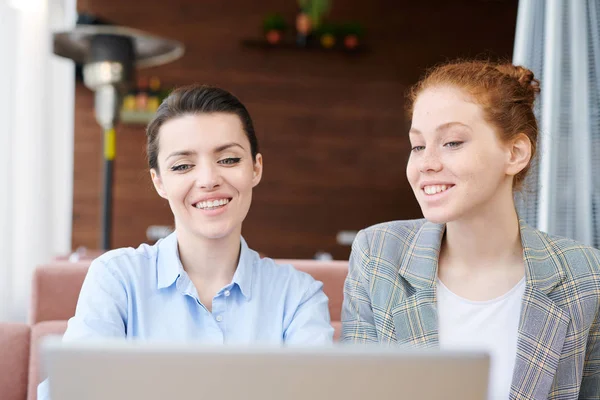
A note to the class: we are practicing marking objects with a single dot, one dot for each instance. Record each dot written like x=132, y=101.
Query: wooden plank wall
x=330, y=126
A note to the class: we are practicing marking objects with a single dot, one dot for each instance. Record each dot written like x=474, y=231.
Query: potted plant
x=327, y=35
x=352, y=33
x=315, y=10
x=274, y=26
x=309, y=18
x=303, y=27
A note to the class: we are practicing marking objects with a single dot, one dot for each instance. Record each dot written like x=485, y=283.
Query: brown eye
x=181, y=167
x=230, y=161
x=453, y=145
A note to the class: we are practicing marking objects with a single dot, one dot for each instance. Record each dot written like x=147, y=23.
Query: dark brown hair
x=505, y=92
x=197, y=99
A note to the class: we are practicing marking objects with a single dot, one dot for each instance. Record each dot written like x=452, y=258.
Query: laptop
x=128, y=370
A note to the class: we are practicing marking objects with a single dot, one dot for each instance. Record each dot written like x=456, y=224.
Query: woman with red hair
x=472, y=274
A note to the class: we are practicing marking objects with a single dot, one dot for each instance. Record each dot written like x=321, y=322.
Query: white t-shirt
x=489, y=325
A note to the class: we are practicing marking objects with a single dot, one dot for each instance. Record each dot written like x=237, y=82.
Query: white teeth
x=211, y=203
x=433, y=189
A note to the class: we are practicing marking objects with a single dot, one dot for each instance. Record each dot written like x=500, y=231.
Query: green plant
x=315, y=9
x=274, y=22
x=327, y=34
x=352, y=28
x=327, y=28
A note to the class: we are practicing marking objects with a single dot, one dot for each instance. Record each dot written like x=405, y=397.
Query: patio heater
x=109, y=55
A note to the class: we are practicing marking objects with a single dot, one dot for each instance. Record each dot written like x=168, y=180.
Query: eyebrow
x=180, y=153
x=219, y=149
x=228, y=146
x=442, y=127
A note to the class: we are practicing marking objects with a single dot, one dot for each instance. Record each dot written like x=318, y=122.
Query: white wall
x=36, y=146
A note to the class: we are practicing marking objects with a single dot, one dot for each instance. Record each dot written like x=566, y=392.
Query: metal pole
x=107, y=197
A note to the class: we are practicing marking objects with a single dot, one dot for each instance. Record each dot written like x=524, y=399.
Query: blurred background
x=328, y=108
x=330, y=123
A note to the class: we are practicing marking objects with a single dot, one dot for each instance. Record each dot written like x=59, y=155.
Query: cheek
x=412, y=173
x=177, y=187
x=484, y=168
x=242, y=180
x=492, y=161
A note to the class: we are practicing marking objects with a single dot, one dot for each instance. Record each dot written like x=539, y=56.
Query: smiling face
x=207, y=173
x=458, y=166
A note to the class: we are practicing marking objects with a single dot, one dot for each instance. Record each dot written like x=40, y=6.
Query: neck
x=209, y=260
x=490, y=237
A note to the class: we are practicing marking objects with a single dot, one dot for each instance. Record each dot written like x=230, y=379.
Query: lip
x=432, y=199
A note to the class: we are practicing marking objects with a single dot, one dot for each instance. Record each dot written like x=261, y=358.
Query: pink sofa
x=56, y=288
x=14, y=348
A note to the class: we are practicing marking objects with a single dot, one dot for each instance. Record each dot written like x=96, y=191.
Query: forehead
x=439, y=105
x=201, y=132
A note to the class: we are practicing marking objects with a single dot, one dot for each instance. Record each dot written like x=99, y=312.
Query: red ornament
x=351, y=42
x=273, y=36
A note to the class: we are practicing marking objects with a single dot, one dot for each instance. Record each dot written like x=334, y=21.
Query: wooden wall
x=330, y=126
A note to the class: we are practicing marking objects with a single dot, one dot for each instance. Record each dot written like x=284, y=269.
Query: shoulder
x=125, y=262
x=380, y=249
x=393, y=232
x=284, y=275
x=576, y=265
x=387, y=241
x=576, y=258
x=283, y=283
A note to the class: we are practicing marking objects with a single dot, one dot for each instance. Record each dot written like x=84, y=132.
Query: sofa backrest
x=39, y=332
x=14, y=348
x=55, y=290
x=56, y=286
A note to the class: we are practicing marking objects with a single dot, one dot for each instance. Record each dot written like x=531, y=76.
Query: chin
x=437, y=220
x=214, y=232
x=214, y=235
x=438, y=216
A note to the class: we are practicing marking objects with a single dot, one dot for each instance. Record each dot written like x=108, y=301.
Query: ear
x=258, y=169
x=519, y=154
x=158, y=184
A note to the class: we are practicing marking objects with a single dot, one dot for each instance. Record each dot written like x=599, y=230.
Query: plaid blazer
x=390, y=298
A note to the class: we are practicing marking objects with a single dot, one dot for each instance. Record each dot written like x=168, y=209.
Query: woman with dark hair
x=203, y=282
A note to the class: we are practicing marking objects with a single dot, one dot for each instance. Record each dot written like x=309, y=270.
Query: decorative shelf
x=310, y=46
x=136, y=117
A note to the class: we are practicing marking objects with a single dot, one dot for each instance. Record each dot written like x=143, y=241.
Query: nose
x=208, y=176
x=430, y=161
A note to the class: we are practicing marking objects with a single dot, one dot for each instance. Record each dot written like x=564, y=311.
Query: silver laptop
x=159, y=371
